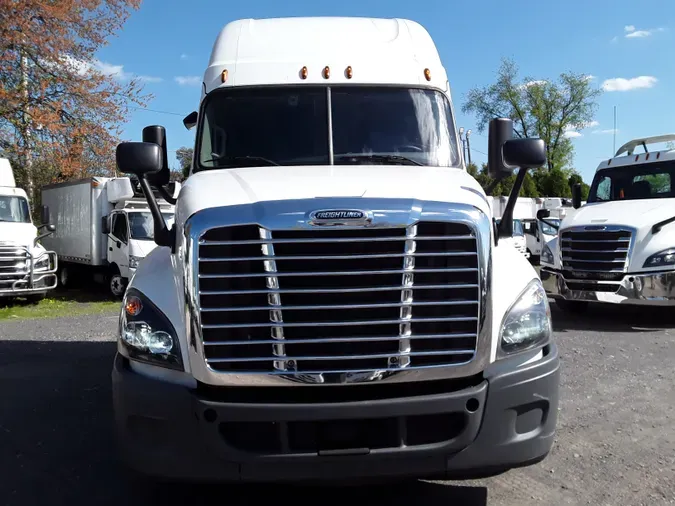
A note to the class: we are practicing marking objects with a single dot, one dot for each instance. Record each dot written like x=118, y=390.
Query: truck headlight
x=527, y=323
x=546, y=255
x=662, y=258
x=42, y=263
x=134, y=261
x=146, y=333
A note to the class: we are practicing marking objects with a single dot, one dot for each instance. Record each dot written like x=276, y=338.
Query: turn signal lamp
x=133, y=306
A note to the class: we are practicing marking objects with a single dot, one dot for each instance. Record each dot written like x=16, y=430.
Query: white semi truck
x=27, y=269
x=620, y=246
x=333, y=301
x=104, y=229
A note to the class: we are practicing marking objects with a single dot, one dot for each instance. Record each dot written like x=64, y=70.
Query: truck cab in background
x=334, y=300
x=518, y=239
x=620, y=246
x=104, y=231
x=27, y=269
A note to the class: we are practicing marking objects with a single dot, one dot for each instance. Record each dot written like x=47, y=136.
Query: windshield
x=548, y=229
x=289, y=125
x=634, y=182
x=14, y=209
x=141, y=225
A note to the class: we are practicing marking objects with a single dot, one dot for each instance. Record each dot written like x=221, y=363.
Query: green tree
x=504, y=187
x=538, y=108
x=184, y=157
x=576, y=178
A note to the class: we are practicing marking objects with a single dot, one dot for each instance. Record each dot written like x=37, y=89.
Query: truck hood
x=633, y=213
x=141, y=248
x=229, y=187
x=17, y=233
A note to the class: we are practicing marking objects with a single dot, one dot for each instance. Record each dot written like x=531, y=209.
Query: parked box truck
x=27, y=269
x=104, y=229
x=333, y=301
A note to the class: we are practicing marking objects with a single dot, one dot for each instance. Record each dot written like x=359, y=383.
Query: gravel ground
x=615, y=443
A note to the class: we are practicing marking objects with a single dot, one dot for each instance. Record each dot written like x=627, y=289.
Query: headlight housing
x=527, y=323
x=134, y=261
x=663, y=258
x=546, y=255
x=147, y=334
x=42, y=263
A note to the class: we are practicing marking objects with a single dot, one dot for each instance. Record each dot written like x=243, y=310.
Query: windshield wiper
x=393, y=159
x=238, y=159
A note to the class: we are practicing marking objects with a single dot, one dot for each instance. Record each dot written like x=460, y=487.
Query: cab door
x=118, y=243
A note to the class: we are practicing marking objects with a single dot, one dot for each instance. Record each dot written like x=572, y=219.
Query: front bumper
x=654, y=288
x=501, y=421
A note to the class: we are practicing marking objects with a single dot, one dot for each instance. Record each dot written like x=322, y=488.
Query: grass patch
x=70, y=303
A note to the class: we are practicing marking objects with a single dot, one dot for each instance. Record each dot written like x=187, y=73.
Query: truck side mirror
x=576, y=195
x=44, y=215
x=506, y=154
x=542, y=214
x=105, y=225
x=190, y=121
x=139, y=158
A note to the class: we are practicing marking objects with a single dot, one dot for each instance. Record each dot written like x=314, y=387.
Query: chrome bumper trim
x=656, y=288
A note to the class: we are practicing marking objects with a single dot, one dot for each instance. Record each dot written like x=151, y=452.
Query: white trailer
x=103, y=231
x=27, y=269
x=620, y=246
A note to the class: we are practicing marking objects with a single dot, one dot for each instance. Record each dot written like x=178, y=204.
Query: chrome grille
x=14, y=262
x=595, y=255
x=338, y=300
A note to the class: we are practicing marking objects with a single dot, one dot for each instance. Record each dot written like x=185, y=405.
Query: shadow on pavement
x=57, y=446
x=613, y=318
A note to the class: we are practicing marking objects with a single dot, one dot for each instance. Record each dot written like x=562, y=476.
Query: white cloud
x=82, y=68
x=603, y=132
x=633, y=33
x=183, y=56
x=589, y=77
x=638, y=34
x=591, y=124
x=188, y=80
x=634, y=83
x=572, y=134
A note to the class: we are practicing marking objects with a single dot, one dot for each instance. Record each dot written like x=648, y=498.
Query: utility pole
x=614, y=144
x=26, y=120
x=461, y=139
x=468, y=145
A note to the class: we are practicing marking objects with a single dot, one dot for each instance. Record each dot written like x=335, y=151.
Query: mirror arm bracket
x=162, y=233
x=166, y=196
x=505, y=228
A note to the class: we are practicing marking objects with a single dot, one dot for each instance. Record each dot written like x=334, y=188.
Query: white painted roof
x=273, y=51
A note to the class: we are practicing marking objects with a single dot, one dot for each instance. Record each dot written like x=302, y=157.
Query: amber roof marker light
x=223, y=76
x=427, y=74
x=303, y=73
x=326, y=72
x=348, y=72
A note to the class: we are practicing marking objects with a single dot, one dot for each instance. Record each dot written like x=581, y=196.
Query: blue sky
x=626, y=46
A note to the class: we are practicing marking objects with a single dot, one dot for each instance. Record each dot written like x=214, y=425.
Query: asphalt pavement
x=615, y=443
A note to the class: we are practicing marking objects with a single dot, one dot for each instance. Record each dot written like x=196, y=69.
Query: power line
x=155, y=110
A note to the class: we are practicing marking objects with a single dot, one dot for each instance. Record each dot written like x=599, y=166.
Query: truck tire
x=64, y=276
x=572, y=306
x=117, y=284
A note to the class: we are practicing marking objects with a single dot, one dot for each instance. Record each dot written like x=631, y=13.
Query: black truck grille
x=332, y=301
x=598, y=256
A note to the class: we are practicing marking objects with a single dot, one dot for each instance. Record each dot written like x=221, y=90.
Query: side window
x=119, y=227
x=604, y=191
